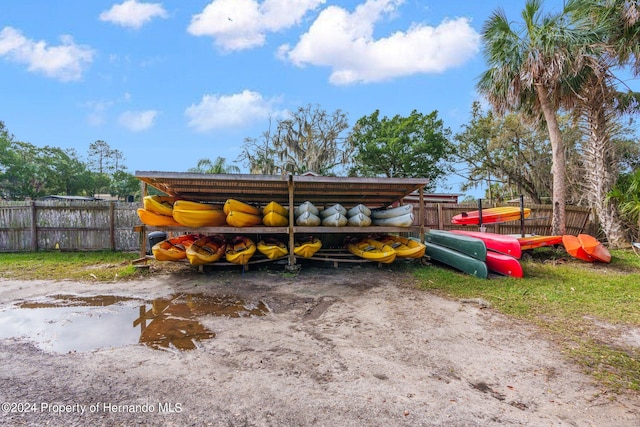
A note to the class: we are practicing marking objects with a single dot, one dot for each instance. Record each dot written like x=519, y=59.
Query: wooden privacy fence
x=438, y=216
x=68, y=225
x=105, y=225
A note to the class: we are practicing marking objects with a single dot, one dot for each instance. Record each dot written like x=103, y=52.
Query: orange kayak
x=491, y=215
x=174, y=249
x=574, y=248
x=594, y=248
x=532, y=242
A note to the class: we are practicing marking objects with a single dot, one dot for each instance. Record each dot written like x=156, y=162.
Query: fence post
x=112, y=226
x=34, y=227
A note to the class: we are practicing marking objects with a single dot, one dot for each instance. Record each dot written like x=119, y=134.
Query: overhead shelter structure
x=289, y=191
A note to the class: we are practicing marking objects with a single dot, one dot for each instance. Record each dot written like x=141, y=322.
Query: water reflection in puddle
x=64, y=323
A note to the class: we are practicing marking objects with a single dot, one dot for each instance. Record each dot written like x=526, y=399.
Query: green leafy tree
x=400, y=147
x=626, y=195
x=98, y=157
x=124, y=184
x=509, y=152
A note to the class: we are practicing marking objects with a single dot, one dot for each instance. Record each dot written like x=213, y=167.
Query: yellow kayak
x=277, y=208
x=155, y=220
x=372, y=250
x=240, y=250
x=272, y=248
x=236, y=205
x=274, y=219
x=188, y=205
x=404, y=246
x=307, y=247
x=174, y=249
x=206, y=250
x=161, y=205
x=243, y=219
x=199, y=217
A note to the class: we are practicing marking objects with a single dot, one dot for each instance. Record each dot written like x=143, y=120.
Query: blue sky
x=171, y=82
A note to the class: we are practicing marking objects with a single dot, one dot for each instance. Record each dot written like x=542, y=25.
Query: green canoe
x=471, y=246
x=457, y=260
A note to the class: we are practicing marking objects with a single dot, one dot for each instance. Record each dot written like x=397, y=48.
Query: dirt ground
x=347, y=346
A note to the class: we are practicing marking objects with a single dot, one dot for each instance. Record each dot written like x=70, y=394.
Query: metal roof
x=373, y=192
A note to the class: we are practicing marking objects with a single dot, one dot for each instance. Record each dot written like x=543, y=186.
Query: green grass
x=571, y=301
x=101, y=266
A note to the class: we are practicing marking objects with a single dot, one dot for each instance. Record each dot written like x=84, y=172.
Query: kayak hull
x=272, y=248
x=240, y=250
x=206, y=250
x=504, y=264
x=457, y=260
x=161, y=205
x=243, y=219
x=174, y=249
x=532, y=242
x=391, y=212
x=574, y=248
x=404, y=246
x=236, y=205
x=372, y=250
x=199, y=217
x=276, y=208
x=405, y=220
x=307, y=247
x=508, y=245
x=491, y=215
x=274, y=219
x=465, y=244
x=594, y=248
x=359, y=220
x=156, y=220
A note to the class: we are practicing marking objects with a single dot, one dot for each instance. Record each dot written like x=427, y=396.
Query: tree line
x=554, y=128
x=27, y=171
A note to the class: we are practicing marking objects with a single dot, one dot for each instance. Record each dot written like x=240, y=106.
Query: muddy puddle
x=66, y=323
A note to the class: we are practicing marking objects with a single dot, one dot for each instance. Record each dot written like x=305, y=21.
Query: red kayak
x=504, y=264
x=594, y=248
x=574, y=248
x=508, y=245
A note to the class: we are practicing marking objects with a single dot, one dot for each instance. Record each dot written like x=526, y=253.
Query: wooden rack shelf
x=289, y=191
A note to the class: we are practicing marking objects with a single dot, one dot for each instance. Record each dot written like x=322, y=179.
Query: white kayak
x=359, y=220
x=307, y=219
x=332, y=210
x=392, y=212
x=358, y=209
x=405, y=220
x=335, y=220
x=305, y=207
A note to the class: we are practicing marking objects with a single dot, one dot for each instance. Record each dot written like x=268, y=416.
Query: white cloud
x=344, y=42
x=133, y=14
x=243, y=24
x=228, y=111
x=64, y=62
x=137, y=121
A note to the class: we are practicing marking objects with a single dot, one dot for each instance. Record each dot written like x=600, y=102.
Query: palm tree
x=626, y=193
x=533, y=69
x=617, y=24
x=621, y=19
x=216, y=167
